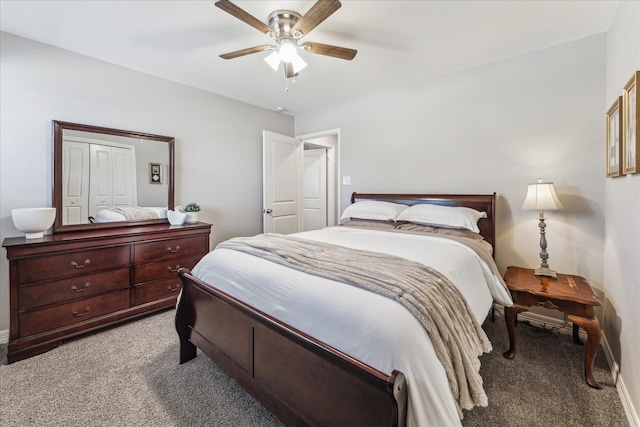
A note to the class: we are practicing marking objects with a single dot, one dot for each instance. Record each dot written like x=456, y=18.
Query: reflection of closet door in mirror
x=124, y=176
x=100, y=196
x=75, y=178
x=113, y=178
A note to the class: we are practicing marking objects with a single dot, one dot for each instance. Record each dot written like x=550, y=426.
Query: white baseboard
x=627, y=404
x=544, y=321
x=4, y=336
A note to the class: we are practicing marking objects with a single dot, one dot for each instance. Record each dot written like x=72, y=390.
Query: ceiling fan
x=286, y=28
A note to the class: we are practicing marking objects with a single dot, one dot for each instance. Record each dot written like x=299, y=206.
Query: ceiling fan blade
x=320, y=11
x=329, y=50
x=245, y=17
x=247, y=51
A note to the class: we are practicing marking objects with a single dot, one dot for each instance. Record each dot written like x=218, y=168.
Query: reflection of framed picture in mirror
x=155, y=173
x=630, y=132
x=614, y=132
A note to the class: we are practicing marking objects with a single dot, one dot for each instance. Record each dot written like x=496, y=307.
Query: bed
x=336, y=354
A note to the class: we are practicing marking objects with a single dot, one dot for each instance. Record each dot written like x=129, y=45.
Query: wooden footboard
x=300, y=379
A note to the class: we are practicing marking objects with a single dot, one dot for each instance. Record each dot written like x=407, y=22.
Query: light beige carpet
x=129, y=376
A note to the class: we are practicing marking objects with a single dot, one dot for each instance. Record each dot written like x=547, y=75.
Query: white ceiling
x=398, y=42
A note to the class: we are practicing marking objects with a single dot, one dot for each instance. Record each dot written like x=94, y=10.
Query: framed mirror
x=106, y=177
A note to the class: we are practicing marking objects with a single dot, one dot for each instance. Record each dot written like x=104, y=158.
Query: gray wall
x=621, y=321
x=218, y=140
x=494, y=128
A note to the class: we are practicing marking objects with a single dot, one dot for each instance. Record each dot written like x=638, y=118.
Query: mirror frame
x=58, y=128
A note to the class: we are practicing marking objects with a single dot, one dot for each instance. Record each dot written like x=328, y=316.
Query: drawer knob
x=173, y=251
x=76, y=289
x=76, y=265
x=76, y=314
x=173, y=270
x=170, y=289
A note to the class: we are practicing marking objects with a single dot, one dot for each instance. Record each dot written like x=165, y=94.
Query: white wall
x=494, y=128
x=218, y=140
x=621, y=322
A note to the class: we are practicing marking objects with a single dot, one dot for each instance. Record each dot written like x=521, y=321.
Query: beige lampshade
x=541, y=197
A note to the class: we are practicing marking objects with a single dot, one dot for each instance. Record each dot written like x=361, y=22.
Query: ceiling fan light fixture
x=287, y=27
x=287, y=50
x=273, y=60
x=298, y=64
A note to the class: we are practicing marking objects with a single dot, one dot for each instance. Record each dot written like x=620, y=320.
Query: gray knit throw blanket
x=458, y=339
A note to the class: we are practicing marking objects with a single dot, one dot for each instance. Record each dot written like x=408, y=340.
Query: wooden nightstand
x=569, y=294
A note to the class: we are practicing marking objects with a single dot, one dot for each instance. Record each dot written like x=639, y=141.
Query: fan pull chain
x=286, y=84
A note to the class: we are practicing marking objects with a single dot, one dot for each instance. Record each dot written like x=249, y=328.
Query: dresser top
x=123, y=233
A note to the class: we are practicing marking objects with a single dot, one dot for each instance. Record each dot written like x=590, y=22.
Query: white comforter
x=367, y=326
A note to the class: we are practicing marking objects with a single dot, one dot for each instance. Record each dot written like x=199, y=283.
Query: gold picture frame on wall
x=614, y=143
x=630, y=131
x=155, y=173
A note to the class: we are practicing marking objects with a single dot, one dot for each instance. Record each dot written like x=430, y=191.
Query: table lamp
x=542, y=197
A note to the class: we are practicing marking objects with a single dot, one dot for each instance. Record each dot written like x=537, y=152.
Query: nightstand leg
x=510, y=314
x=592, y=326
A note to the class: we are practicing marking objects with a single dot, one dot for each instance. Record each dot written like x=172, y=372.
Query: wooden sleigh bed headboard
x=299, y=378
x=480, y=202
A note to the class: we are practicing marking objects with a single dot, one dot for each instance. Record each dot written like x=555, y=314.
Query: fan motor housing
x=283, y=21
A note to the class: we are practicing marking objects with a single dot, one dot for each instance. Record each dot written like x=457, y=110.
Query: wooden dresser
x=67, y=284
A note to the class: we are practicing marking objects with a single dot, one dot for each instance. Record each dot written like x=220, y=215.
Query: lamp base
x=545, y=271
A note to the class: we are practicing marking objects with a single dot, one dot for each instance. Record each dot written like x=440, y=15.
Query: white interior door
x=124, y=177
x=75, y=178
x=282, y=193
x=100, y=192
x=315, y=189
x=330, y=141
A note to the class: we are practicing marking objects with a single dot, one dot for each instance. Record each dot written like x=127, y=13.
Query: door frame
x=333, y=169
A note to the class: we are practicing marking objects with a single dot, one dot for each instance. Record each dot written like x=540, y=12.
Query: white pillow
x=373, y=209
x=443, y=216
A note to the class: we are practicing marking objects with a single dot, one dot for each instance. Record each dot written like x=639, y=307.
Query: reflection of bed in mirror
x=129, y=213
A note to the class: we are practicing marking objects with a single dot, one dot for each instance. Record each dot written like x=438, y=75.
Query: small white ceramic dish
x=33, y=221
x=176, y=218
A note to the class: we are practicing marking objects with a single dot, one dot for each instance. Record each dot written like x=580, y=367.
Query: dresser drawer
x=69, y=289
x=163, y=269
x=157, y=290
x=33, y=322
x=69, y=264
x=170, y=249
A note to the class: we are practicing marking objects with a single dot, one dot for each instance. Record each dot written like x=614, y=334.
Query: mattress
x=360, y=323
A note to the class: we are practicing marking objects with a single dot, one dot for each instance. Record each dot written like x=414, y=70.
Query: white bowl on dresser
x=33, y=221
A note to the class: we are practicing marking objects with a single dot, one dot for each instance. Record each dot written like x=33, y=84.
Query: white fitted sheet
x=362, y=324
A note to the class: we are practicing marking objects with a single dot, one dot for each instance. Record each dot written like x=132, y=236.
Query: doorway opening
x=320, y=179
x=286, y=169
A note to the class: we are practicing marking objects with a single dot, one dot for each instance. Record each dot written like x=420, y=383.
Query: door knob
x=267, y=211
